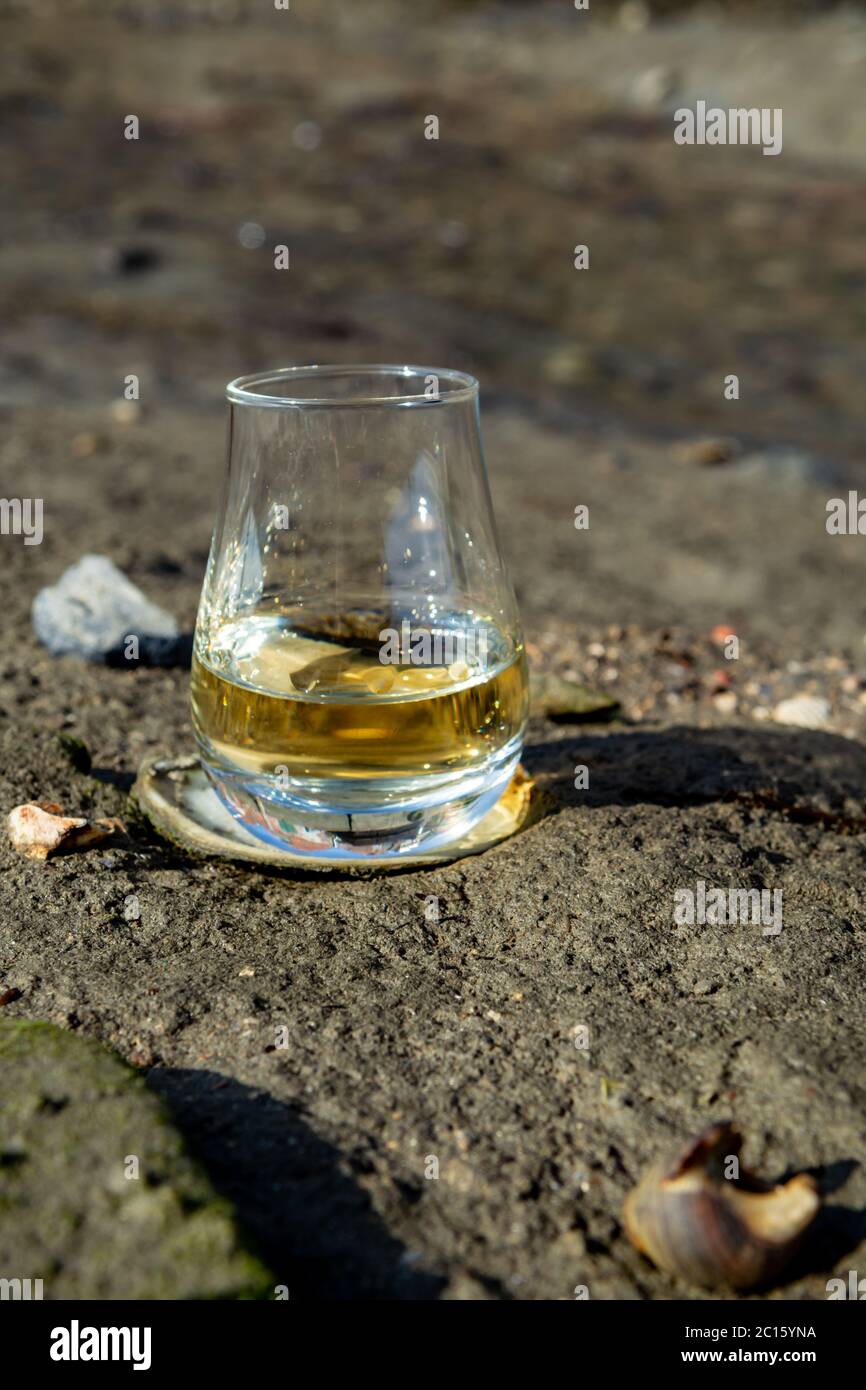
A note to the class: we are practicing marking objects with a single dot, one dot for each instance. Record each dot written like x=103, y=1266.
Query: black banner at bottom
x=399, y=1339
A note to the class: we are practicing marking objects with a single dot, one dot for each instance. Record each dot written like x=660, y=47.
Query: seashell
x=805, y=711
x=39, y=829
x=718, y=1231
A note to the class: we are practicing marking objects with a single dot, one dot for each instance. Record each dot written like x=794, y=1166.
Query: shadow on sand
x=311, y=1222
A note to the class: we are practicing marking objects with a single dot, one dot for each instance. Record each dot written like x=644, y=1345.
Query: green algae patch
x=99, y=1197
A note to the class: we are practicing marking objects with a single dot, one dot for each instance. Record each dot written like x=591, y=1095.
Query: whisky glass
x=359, y=684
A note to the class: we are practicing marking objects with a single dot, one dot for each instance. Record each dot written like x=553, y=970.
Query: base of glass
x=285, y=823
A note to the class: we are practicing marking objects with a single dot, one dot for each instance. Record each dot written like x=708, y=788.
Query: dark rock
x=129, y=260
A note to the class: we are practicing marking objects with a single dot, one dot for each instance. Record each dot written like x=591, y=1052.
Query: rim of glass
x=458, y=386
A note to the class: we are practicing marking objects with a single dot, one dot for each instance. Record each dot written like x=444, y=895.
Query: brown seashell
x=715, y=1231
x=39, y=829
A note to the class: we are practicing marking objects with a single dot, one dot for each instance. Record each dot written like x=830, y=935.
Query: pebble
x=125, y=412
x=556, y=698
x=806, y=711
x=141, y=1057
x=709, y=452
x=725, y=701
x=86, y=444
x=569, y=365
x=655, y=86
x=92, y=610
x=634, y=16
x=307, y=135
x=780, y=466
x=251, y=235
x=453, y=234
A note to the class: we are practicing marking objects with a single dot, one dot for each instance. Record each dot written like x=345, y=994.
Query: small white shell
x=806, y=711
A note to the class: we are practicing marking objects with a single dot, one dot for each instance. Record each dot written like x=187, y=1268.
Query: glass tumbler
x=359, y=684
